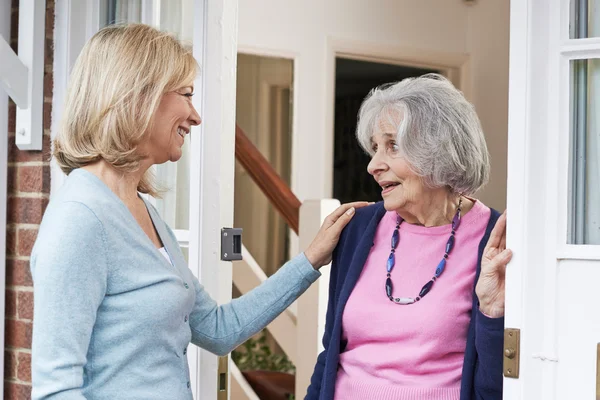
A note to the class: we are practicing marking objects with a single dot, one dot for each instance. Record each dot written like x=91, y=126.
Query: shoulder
x=360, y=224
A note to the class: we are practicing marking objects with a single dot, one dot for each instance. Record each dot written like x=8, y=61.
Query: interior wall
x=305, y=30
x=488, y=46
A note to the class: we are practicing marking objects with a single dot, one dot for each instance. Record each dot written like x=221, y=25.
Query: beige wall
x=307, y=30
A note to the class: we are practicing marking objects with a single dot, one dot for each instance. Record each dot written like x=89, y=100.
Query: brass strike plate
x=512, y=346
x=598, y=372
x=222, y=376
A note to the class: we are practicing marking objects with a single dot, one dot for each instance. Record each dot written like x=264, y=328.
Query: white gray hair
x=439, y=134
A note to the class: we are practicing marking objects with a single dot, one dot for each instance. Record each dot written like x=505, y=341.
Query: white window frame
x=212, y=144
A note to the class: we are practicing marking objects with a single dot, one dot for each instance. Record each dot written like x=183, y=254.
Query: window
x=175, y=17
x=584, y=113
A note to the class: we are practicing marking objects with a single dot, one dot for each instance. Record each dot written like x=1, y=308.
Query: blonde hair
x=115, y=88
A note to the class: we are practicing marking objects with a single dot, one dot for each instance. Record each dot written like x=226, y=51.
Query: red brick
x=11, y=242
x=25, y=239
x=48, y=84
x=47, y=114
x=18, y=333
x=18, y=273
x=34, y=178
x=16, y=155
x=25, y=210
x=10, y=364
x=24, y=367
x=11, y=303
x=12, y=117
x=25, y=304
x=16, y=391
x=12, y=180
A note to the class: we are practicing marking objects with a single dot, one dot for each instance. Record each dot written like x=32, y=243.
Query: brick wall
x=28, y=194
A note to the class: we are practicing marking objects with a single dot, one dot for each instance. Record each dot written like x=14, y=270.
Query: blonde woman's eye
x=188, y=94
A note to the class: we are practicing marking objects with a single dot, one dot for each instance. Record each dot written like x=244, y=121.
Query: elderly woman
x=115, y=304
x=416, y=299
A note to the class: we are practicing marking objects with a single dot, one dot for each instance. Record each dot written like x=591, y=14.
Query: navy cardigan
x=482, y=368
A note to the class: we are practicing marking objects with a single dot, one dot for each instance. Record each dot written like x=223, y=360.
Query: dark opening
x=353, y=81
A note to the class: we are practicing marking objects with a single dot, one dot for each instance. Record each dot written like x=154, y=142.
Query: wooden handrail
x=267, y=179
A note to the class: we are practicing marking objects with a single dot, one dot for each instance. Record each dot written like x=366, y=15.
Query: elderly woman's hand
x=490, y=286
x=320, y=250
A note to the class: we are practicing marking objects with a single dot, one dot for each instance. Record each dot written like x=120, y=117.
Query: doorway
x=354, y=79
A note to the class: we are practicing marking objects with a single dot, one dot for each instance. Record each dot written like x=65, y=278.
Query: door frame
x=538, y=186
x=455, y=66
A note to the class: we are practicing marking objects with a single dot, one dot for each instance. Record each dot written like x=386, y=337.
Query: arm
x=489, y=341
x=220, y=329
x=489, y=318
x=69, y=270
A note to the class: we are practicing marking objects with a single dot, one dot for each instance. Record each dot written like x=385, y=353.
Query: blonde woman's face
x=172, y=121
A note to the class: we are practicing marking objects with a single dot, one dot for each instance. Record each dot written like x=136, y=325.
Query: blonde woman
x=115, y=304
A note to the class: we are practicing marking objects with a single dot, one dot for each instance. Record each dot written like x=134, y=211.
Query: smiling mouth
x=181, y=132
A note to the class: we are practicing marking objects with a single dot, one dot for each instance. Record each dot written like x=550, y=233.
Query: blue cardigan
x=482, y=368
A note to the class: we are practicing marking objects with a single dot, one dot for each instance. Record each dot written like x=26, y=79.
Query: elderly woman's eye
x=394, y=147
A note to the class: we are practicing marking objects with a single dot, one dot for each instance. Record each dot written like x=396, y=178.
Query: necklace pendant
x=404, y=300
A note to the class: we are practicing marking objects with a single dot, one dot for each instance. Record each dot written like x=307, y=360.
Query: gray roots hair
x=438, y=132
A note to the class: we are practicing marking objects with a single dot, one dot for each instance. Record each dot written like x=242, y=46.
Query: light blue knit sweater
x=113, y=318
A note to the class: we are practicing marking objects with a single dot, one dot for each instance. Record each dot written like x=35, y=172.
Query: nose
x=194, y=117
x=377, y=164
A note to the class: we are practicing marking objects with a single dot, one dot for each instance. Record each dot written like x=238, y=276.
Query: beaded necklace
x=391, y=261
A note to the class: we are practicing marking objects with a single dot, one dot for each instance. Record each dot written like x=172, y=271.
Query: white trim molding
x=22, y=76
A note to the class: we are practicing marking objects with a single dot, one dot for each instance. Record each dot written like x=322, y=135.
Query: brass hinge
x=512, y=347
x=222, y=376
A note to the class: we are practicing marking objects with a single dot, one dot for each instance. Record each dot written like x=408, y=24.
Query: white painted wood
x=240, y=388
x=32, y=37
x=5, y=11
x=550, y=286
x=13, y=74
x=312, y=305
x=75, y=23
x=212, y=163
x=247, y=275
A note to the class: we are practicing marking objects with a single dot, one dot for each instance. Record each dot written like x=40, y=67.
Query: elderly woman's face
x=400, y=187
x=170, y=124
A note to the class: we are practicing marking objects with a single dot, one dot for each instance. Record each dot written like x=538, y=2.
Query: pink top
x=416, y=351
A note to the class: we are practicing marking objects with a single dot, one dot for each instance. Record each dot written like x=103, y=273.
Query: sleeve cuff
x=305, y=268
x=488, y=322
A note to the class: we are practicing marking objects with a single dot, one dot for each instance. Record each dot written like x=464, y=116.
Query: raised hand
x=491, y=283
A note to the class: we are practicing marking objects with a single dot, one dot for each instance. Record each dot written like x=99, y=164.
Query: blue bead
x=440, y=267
x=426, y=289
x=450, y=244
x=395, y=239
x=391, y=262
x=456, y=221
x=388, y=287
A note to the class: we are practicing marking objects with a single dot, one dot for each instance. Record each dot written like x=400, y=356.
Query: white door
x=554, y=198
x=200, y=197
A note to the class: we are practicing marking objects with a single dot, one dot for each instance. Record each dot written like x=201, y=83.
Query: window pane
x=173, y=16
x=585, y=19
x=584, y=201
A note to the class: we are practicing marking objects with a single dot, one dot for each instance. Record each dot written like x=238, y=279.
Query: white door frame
x=537, y=193
x=213, y=162
x=212, y=145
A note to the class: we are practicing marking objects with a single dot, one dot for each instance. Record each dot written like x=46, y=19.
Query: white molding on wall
x=32, y=39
